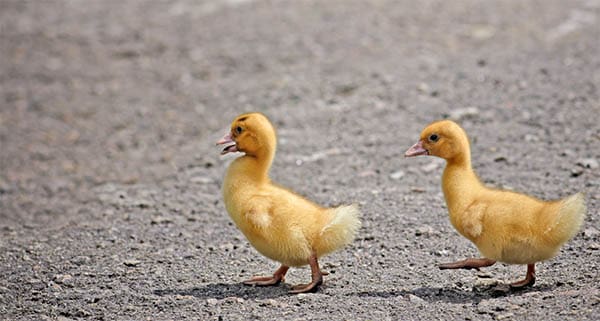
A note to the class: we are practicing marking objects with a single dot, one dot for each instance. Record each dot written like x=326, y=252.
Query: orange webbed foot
x=528, y=281
x=263, y=280
x=276, y=278
x=467, y=264
x=317, y=278
x=310, y=287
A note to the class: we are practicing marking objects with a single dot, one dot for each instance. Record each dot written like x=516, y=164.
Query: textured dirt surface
x=110, y=204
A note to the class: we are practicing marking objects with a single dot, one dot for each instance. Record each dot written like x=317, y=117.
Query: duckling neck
x=254, y=168
x=460, y=184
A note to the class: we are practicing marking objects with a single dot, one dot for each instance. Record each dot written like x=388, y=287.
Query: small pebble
x=588, y=163
x=484, y=275
x=234, y=299
x=227, y=247
x=143, y=203
x=483, y=32
x=425, y=230
x=201, y=180
x=576, y=172
x=418, y=190
x=367, y=173
x=63, y=278
x=423, y=87
x=302, y=296
x=590, y=232
x=482, y=285
x=463, y=113
x=505, y=316
x=160, y=220
x=531, y=138
x=132, y=262
x=441, y=253
x=415, y=299
x=270, y=302
x=567, y=153
x=397, y=175
x=430, y=167
x=81, y=260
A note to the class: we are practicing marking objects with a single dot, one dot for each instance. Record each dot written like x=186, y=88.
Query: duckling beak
x=416, y=150
x=227, y=139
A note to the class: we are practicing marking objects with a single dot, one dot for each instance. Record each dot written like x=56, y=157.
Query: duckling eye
x=434, y=138
x=238, y=130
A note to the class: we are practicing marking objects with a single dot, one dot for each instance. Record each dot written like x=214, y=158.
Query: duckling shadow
x=454, y=295
x=223, y=290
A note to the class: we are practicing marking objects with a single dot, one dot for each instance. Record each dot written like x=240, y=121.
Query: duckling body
x=278, y=223
x=505, y=226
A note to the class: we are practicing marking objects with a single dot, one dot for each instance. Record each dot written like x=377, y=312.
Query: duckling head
x=445, y=139
x=251, y=133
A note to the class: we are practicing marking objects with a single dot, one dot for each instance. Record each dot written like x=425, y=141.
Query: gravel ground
x=110, y=204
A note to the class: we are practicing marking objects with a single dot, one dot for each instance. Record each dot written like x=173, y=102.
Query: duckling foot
x=467, y=264
x=528, y=281
x=278, y=277
x=317, y=278
x=304, y=288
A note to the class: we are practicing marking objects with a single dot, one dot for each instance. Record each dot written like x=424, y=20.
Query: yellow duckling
x=280, y=224
x=505, y=226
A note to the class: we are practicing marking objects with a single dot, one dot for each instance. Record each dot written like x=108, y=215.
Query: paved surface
x=110, y=204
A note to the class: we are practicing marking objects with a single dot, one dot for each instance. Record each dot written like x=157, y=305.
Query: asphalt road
x=110, y=203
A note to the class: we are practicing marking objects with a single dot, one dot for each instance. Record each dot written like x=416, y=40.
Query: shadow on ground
x=223, y=290
x=454, y=295
x=430, y=294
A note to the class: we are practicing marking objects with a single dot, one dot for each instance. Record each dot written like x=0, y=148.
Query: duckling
x=505, y=226
x=278, y=223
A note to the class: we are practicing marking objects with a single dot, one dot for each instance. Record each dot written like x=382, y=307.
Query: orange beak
x=227, y=139
x=416, y=150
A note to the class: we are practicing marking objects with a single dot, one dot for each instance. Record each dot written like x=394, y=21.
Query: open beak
x=416, y=150
x=227, y=139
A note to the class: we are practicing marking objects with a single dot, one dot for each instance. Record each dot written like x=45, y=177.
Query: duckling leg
x=467, y=264
x=529, y=278
x=277, y=277
x=317, y=278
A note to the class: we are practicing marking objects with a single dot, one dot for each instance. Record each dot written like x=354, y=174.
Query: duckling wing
x=498, y=229
x=259, y=213
x=472, y=223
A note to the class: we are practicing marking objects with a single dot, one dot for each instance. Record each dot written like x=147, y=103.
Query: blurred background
x=131, y=91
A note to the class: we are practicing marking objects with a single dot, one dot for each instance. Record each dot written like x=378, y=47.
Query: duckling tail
x=569, y=216
x=340, y=230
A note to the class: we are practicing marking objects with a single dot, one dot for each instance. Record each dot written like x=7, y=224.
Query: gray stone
x=201, y=180
x=81, y=260
x=430, y=167
x=132, y=262
x=424, y=230
x=463, y=113
x=415, y=299
x=65, y=279
x=588, y=163
x=397, y=175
